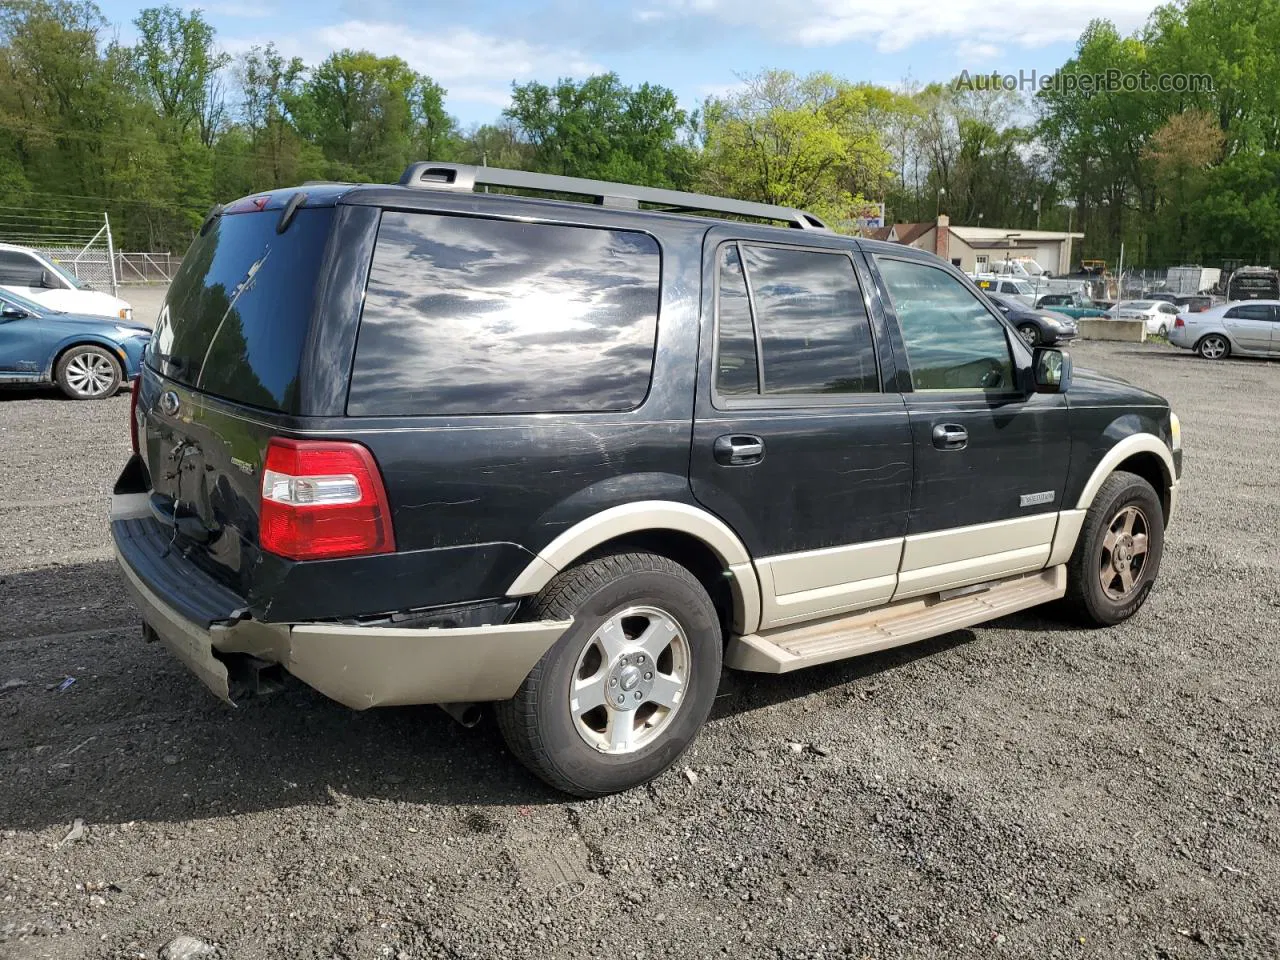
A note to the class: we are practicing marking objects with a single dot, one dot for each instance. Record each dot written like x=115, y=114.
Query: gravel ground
x=1025, y=789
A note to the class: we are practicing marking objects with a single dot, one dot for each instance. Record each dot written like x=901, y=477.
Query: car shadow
x=136, y=737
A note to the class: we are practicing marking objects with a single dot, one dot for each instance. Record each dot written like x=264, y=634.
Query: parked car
x=1037, y=327
x=87, y=357
x=1075, y=305
x=32, y=275
x=421, y=444
x=1193, y=303
x=1161, y=295
x=1157, y=314
x=1019, y=290
x=1247, y=329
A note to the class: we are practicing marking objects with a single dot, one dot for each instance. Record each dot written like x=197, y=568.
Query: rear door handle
x=950, y=436
x=738, y=450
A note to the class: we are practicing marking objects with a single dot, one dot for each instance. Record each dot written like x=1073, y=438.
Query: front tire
x=1117, y=559
x=625, y=691
x=1030, y=333
x=88, y=373
x=1214, y=347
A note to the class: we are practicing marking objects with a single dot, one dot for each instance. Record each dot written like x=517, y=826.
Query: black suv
x=423, y=444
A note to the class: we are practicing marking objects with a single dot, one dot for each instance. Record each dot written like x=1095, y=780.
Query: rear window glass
x=472, y=316
x=235, y=320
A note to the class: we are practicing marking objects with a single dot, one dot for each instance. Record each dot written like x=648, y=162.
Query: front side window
x=467, y=316
x=809, y=321
x=953, y=342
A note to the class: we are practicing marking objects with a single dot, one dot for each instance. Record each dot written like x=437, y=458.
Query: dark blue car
x=88, y=357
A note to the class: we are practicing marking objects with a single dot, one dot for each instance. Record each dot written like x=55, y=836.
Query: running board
x=790, y=648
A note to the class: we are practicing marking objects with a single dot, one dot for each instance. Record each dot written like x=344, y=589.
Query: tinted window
x=19, y=269
x=953, y=342
x=471, y=316
x=236, y=317
x=1252, y=311
x=813, y=326
x=736, y=366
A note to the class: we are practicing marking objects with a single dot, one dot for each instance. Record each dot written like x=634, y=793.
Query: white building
x=977, y=249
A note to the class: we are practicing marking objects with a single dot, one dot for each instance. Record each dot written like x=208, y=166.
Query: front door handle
x=950, y=436
x=738, y=450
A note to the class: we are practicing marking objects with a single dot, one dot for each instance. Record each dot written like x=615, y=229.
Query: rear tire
x=88, y=373
x=1117, y=558
x=645, y=631
x=1214, y=347
x=1163, y=331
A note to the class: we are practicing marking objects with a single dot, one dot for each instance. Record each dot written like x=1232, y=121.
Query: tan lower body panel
x=836, y=638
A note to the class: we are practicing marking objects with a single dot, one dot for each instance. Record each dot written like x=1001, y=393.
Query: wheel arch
x=1144, y=454
x=86, y=340
x=688, y=535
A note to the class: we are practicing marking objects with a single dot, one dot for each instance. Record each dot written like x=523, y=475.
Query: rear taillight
x=133, y=412
x=323, y=499
x=1179, y=323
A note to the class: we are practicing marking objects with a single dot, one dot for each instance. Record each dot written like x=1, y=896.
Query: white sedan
x=1158, y=314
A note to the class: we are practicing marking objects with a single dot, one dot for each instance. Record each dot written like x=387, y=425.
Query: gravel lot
x=1025, y=789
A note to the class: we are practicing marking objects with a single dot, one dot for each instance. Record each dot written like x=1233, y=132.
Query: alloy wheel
x=90, y=374
x=1124, y=553
x=630, y=679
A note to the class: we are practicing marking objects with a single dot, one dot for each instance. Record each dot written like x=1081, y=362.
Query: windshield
x=66, y=275
x=1022, y=287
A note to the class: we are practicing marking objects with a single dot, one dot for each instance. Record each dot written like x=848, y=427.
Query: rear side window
x=472, y=316
x=235, y=320
x=810, y=324
x=1252, y=311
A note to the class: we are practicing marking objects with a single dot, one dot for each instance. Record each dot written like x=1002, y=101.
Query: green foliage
x=604, y=130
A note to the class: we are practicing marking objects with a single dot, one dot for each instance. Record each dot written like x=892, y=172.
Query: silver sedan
x=1246, y=328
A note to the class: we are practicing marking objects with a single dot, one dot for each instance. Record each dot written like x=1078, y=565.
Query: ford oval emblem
x=169, y=403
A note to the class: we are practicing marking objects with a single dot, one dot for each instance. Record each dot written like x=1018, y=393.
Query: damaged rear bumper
x=359, y=666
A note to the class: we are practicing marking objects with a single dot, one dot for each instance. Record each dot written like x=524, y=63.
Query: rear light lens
x=1179, y=323
x=133, y=411
x=323, y=499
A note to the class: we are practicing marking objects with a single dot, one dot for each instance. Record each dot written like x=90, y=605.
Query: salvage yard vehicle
x=89, y=358
x=29, y=273
x=1248, y=329
x=1075, y=305
x=417, y=443
x=1037, y=327
x=1157, y=315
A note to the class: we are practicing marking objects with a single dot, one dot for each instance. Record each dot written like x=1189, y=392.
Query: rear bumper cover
x=355, y=665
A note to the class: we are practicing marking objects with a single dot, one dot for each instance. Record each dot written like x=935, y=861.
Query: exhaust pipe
x=467, y=714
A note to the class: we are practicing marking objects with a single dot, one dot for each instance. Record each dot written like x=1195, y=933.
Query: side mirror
x=1052, y=370
x=48, y=281
x=12, y=313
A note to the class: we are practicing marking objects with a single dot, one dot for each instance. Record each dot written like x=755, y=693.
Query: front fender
x=130, y=359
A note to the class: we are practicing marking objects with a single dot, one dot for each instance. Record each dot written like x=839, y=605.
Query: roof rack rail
x=464, y=178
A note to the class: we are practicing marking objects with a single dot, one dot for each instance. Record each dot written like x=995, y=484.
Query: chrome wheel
x=630, y=679
x=90, y=374
x=1213, y=347
x=1124, y=553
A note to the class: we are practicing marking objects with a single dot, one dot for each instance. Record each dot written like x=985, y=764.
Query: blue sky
x=695, y=47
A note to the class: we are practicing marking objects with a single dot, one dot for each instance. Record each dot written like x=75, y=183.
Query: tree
x=811, y=142
x=176, y=60
x=602, y=129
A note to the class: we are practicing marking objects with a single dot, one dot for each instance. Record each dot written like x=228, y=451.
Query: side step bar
x=790, y=648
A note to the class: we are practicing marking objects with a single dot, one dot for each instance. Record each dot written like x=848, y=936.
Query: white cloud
x=470, y=65
x=894, y=25
x=975, y=51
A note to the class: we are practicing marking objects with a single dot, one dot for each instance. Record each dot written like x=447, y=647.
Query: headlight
x=1051, y=321
x=1175, y=432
